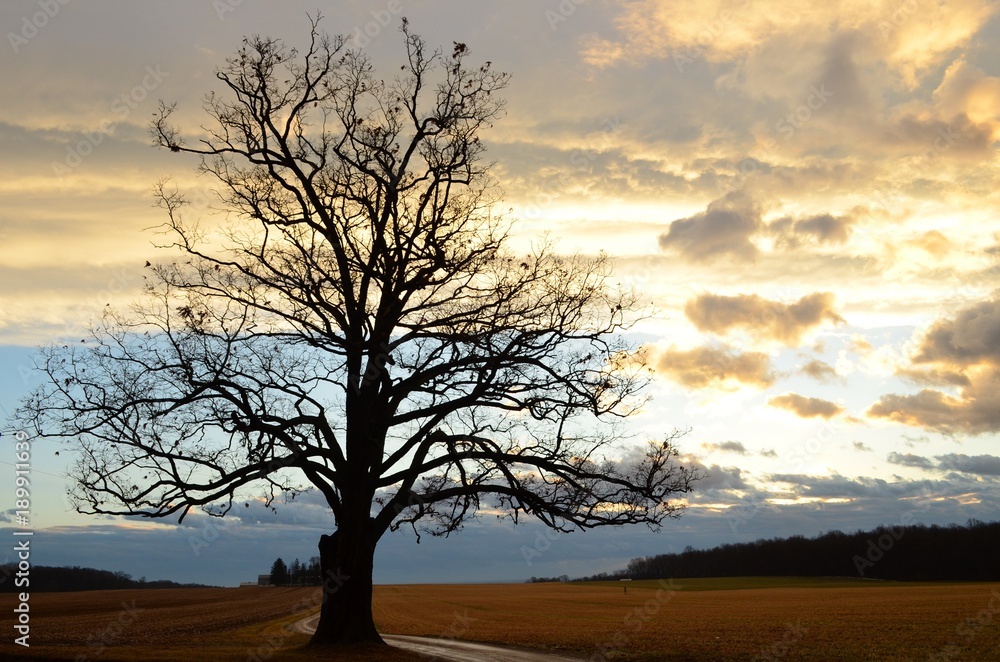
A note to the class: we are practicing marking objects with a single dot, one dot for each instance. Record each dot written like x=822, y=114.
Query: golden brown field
x=163, y=624
x=699, y=621
x=869, y=622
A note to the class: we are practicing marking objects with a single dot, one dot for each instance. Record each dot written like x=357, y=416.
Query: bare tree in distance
x=359, y=328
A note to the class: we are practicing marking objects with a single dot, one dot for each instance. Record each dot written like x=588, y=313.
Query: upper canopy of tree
x=357, y=326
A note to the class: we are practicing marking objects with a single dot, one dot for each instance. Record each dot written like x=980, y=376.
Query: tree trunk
x=346, y=564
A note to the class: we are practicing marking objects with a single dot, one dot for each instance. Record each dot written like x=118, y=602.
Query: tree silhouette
x=279, y=572
x=358, y=327
x=900, y=552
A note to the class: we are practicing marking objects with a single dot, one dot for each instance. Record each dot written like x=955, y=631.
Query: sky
x=807, y=194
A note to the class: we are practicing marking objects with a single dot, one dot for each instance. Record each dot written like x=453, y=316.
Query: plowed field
x=682, y=620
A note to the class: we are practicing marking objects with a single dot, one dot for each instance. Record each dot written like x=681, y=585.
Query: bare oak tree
x=357, y=326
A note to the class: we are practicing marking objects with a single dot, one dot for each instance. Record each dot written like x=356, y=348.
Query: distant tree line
x=56, y=579
x=901, y=553
x=296, y=574
x=542, y=580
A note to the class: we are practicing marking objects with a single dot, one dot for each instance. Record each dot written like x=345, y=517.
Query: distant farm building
x=263, y=580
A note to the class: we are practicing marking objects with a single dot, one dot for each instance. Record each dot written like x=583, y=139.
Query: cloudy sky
x=808, y=195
